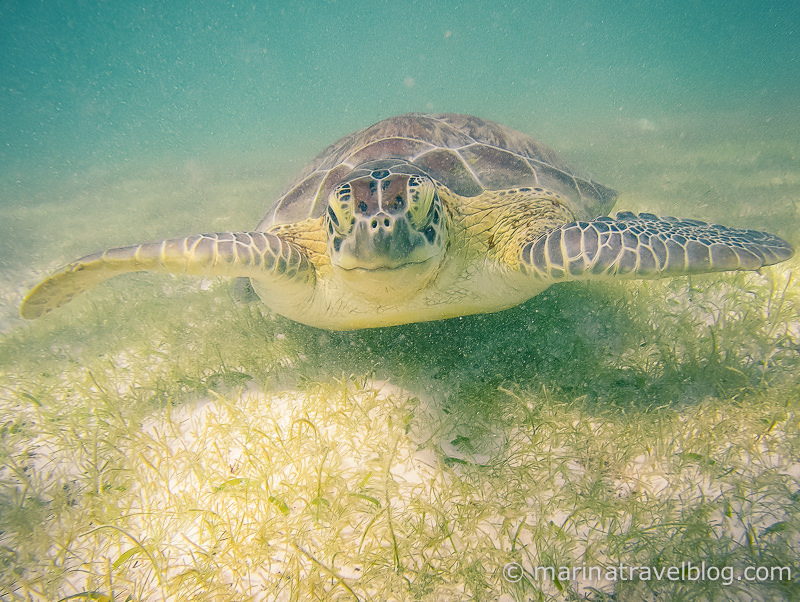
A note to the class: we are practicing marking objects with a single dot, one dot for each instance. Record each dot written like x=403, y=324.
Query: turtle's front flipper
x=646, y=246
x=251, y=254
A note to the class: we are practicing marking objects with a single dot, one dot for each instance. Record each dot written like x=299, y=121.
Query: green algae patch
x=208, y=450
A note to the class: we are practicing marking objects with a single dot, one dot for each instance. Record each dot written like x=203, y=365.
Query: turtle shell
x=465, y=153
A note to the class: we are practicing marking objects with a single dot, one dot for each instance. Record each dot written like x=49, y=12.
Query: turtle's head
x=386, y=228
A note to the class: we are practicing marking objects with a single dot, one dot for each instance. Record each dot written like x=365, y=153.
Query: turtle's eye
x=421, y=195
x=340, y=210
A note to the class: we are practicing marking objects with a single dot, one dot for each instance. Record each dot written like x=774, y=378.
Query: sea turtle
x=425, y=217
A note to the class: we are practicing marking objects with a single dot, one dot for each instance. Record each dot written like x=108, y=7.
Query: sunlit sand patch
x=262, y=472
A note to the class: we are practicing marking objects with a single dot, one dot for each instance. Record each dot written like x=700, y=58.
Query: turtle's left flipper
x=236, y=254
x=647, y=246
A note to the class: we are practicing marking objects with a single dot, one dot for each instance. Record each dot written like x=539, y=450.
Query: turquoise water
x=87, y=83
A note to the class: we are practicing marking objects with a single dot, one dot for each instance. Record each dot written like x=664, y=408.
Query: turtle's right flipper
x=250, y=254
x=646, y=246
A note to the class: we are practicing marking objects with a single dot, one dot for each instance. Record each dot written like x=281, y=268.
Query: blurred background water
x=87, y=82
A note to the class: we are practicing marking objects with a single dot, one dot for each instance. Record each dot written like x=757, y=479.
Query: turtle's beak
x=387, y=285
x=384, y=242
x=385, y=259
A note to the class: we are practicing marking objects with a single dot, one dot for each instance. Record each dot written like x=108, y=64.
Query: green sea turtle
x=425, y=217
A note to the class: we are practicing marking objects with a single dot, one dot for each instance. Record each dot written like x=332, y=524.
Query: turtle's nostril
x=375, y=222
